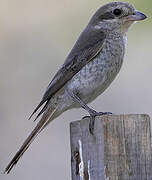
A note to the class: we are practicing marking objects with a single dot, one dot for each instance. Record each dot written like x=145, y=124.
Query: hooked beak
x=137, y=16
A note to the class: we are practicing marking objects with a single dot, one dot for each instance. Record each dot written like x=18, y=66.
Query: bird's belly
x=93, y=79
x=97, y=75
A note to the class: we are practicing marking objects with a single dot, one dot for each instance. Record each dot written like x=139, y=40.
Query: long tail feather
x=39, y=105
x=42, y=110
x=30, y=139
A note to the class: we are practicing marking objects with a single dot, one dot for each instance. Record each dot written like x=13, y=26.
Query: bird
x=88, y=70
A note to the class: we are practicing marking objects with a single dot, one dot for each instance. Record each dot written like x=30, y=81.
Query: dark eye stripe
x=107, y=15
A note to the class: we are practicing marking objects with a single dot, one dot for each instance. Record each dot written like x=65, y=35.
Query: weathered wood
x=87, y=151
x=122, y=151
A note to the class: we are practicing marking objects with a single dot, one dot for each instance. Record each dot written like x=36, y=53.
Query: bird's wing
x=86, y=48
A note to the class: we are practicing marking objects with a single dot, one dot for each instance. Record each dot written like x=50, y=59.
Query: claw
x=103, y=113
x=91, y=124
x=85, y=117
x=93, y=114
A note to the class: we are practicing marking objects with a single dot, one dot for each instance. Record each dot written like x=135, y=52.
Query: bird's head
x=116, y=16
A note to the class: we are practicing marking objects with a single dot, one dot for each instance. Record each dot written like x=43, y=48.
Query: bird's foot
x=84, y=117
x=93, y=114
x=98, y=114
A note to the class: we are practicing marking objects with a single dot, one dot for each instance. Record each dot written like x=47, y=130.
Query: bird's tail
x=46, y=116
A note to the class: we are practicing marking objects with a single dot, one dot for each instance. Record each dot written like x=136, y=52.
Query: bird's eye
x=117, y=12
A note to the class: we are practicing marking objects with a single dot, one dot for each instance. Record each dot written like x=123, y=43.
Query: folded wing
x=86, y=48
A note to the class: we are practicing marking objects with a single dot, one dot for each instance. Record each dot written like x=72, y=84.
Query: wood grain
x=120, y=148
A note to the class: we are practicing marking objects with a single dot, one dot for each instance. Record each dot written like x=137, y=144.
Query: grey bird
x=88, y=70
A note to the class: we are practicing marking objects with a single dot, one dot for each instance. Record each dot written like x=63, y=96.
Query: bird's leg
x=91, y=112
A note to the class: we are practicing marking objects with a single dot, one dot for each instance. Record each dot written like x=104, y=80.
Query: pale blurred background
x=35, y=38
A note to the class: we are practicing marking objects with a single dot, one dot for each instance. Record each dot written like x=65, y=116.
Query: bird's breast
x=97, y=75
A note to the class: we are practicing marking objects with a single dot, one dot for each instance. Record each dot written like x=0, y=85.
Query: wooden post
x=120, y=148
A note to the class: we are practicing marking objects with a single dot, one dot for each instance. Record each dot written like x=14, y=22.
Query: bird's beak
x=137, y=16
